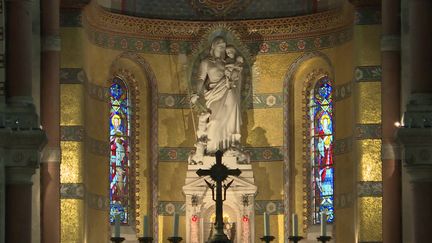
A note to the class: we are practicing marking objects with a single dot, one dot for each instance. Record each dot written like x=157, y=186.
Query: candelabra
x=117, y=239
x=175, y=239
x=267, y=238
x=295, y=238
x=145, y=239
x=324, y=239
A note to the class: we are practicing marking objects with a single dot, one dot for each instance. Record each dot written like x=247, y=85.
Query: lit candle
x=145, y=226
x=266, y=224
x=294, y=225
x=323, y=224
x=117, y=225
x=176, y=224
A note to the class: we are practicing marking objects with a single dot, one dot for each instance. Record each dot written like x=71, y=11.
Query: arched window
x=119, y=168
x=321, y=144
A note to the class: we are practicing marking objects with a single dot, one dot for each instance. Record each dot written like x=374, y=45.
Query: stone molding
x=391, y=43
x=391, y=151
x=325, y=22
x=19, y=175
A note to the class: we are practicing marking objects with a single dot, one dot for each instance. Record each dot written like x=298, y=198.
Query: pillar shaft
x=19, y=48
x=50, y=120
x=390, y=99
x=18, y=212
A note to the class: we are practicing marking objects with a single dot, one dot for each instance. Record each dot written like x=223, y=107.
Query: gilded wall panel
x=276, y=227
x=369, y=102
x=171, y=180
x=98, y=229
x=370, y=165
x=71, y=166
x=71, y=55
x=268, y=72
x=176, y=128
x=342, y=60
x=367, y=39
x=71, y=222
x=345, y=232
x=269, y=179
x=370, y=214
x=345, y=178
x=166, y=227
x=264, y=127
x=71, y=104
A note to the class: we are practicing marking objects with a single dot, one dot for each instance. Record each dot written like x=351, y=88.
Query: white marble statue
x=218, y=83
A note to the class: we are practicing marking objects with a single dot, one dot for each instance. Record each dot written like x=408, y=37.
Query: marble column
x=50, y=121
x=20, y=136
x=391, y=93
x=416, y=135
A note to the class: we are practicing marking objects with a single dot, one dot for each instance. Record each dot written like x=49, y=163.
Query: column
x=50, y=121
x=390, y=101
x=416, y=135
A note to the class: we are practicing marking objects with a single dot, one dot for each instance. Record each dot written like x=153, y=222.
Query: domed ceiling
x=217, y=9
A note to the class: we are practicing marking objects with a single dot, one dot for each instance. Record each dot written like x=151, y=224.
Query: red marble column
x=18, y=212
x=19, y=48
x=50, y=120
x=390, y=100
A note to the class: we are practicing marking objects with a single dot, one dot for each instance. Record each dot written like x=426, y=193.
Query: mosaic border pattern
x=369, y=188
x=72, y=76
x=368, y=131
x=367, y=73
x=342, y=91
x=342, y=146
x=257, y=154
x=367, y=16
x=72, y=191
x=72, y=133
x=98, y=202
x=272, y=207
x=168, y=208
x=344, y=200
x=135, y=44
x=96, y=17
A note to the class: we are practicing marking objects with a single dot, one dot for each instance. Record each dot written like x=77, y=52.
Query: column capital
x=19, y=175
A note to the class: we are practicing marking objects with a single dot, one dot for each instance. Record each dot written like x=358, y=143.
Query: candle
x=176, y=224
x=294, y=225
x=323, y=224
x=117, y=226
x=145, y=226
x=266, y=224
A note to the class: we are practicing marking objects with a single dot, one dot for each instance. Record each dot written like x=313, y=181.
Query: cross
x=219, y=173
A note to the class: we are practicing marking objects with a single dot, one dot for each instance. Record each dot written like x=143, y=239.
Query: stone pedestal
x=239, y=200
x=416, y=138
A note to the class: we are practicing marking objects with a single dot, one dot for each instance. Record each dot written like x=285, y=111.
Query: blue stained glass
x=321, y=115
x=120, y=148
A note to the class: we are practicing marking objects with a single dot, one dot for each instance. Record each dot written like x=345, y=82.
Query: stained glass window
x=321, y=144
x=119, y=151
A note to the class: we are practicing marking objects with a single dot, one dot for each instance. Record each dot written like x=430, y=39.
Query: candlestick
x=295, y=239
x=117, y=239
x=267, y=238
x=323, y=224
x=176, y=224
x=324, y=239
x=117, y=226
x=266, y=224
x=145, y=226
x=294, y=225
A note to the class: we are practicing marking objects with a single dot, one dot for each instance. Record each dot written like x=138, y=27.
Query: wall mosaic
x=368, y=131
x=98, y=202
x=343, y=200
x=367, y=73
x=342, y=91
x=72, y=76
x=369, y=189
x=342, y=146
x=72, y=191
x=72, y=133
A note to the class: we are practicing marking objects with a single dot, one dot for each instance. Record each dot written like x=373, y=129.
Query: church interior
x=108, y=108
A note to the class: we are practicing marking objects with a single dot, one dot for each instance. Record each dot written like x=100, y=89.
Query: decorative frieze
x=368, y=131
x=72, y=76
x=98, y=202
x=369, y=189
x=72, y=133
x=72, y=191
x=367, y=73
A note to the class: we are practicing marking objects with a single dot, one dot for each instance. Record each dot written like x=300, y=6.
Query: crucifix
x=219, y=173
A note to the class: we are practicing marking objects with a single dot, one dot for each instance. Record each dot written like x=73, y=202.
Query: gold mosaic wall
x=370, y=219
x=71, y=220
x=71, y=170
